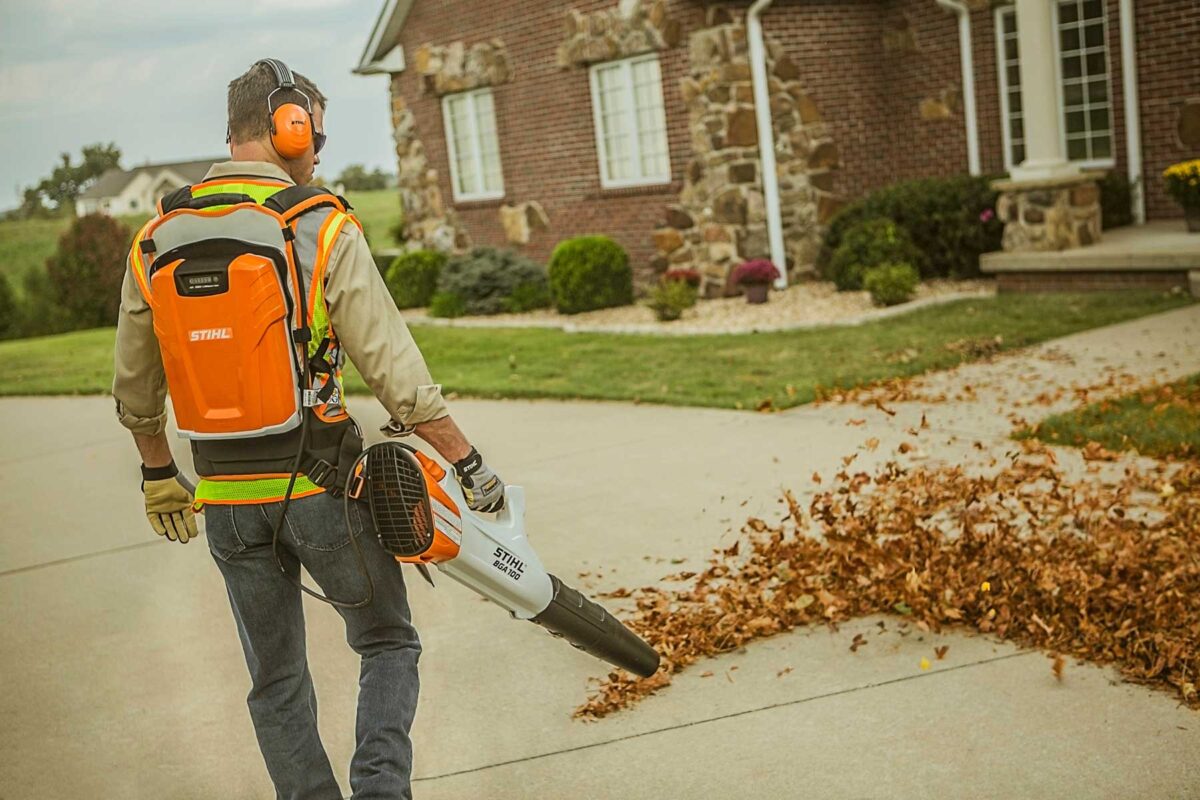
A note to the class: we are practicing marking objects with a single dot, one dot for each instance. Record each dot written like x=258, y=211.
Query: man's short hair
x=249, y=117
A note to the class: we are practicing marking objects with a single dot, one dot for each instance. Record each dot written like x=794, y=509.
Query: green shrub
x=952, y=221
x=38, y=312
x=670, y=297
x=486, y=278
x=412, y=277
x=1116, y=201
x=8, y=302
x=868, y=244
x=527, y=297
x=87, y=269
x=891, y=284
x=447, y=304
x=590, y=272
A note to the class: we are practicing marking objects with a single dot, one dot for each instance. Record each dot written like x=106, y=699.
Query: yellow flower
x=986, y=586
x=924, y=663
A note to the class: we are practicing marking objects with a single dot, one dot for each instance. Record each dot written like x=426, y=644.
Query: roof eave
x=383, y=36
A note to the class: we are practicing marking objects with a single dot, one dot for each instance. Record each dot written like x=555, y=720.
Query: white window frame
x=1002, y=71
x=476, y=149
x=1091, y=163
x=626, y=66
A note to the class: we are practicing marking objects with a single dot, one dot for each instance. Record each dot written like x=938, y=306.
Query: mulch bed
x=1100, y=570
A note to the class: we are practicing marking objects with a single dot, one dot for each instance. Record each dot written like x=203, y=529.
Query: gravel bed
x=804, y=305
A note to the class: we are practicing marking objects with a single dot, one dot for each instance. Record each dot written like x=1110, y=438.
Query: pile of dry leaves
x=1108, y=572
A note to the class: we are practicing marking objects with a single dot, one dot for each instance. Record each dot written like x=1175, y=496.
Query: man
x=266, y=603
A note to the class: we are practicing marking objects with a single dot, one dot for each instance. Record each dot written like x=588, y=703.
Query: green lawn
x=1160, y=421
x=378, y=211
x=732, y=371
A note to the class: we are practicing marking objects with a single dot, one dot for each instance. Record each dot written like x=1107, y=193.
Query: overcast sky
x=151, y=76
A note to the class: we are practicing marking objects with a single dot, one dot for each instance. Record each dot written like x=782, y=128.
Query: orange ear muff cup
x=291, y=130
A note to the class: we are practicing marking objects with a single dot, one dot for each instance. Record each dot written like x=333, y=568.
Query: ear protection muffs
x=291, y=123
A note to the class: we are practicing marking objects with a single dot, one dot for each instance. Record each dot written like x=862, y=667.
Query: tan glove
x=168, y=504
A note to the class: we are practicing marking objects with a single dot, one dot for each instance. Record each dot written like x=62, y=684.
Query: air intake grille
x=399, y=500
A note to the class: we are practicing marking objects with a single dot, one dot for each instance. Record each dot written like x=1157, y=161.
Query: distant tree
x=69, y=180
x=355, y=178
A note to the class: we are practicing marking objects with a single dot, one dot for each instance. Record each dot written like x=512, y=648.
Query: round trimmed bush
x=490, y=281
x=590, y=272
x=891, y=284
x=868, y=244
x=412, y=278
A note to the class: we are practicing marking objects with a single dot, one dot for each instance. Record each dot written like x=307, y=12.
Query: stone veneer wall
x=608, y=34
x=428, y=220
x=1056, y=214
x=720, y=219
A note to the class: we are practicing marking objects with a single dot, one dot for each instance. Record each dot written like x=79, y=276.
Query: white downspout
x=1133, y=112
x=766, y=138
x=967, y=60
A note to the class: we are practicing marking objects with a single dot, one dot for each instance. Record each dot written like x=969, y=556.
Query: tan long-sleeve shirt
x=368, y=324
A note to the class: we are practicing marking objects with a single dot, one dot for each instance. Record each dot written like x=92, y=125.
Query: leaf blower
x=422, y=518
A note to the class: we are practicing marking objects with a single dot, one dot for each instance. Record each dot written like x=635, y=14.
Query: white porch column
x=1044, y=156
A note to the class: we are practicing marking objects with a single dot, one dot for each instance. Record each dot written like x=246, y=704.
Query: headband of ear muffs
x=291, y=123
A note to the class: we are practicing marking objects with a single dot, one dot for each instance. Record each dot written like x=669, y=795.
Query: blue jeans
x=270, y=622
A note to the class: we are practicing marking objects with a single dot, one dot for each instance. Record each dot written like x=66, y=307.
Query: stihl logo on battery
x=209, y=334
x=509, y=564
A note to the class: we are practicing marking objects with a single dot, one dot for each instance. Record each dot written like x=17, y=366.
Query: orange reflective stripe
x=320, y=199
x=137, y=264
x=232, y=179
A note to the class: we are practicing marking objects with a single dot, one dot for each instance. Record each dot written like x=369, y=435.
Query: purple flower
x=760, y=270
x=987, y=215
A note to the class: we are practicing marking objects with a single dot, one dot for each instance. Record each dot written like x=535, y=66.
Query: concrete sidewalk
x=122, y=675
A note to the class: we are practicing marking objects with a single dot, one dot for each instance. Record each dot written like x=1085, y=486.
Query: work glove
x=168, y=503
x=483, y=488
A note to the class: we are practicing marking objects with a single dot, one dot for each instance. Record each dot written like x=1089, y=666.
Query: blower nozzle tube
x=588, y=627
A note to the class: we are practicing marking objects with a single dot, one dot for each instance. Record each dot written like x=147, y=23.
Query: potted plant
x=755, y=278
x=1183, y=183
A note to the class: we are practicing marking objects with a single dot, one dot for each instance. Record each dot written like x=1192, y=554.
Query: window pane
x=1068, y=12
x=1073, y=94
x=1094, y=35
x=1010, y=22
x=1069, y=37
x=1018, y=153
x=1096, y=64
x=1075, y=122
x=1014, y=76
x=1092, y=9
x=1098, y=119
x=1098, y=91
x=1014, y=102
x=1018, y=128
x=1072, y=67
x=1077, y=149
x=1010, y=49
x=1102, y=147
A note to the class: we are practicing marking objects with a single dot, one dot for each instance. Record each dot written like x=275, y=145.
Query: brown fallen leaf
x=940, y=652
x=856, y=422
x=871, y=444
x=1057, y=666
x=783, y=672
x=706, y=674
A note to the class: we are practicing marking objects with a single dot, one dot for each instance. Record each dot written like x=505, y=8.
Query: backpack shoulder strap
x=296, y=200
x=174, y=200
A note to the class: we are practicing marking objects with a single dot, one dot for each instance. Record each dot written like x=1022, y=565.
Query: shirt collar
x=247, y=169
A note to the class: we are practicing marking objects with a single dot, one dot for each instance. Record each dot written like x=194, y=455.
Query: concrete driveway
x=122, y=677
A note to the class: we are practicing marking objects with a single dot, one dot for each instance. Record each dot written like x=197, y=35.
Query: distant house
x=135, y=191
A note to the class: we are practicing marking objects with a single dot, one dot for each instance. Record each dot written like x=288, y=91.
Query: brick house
x=523, y=123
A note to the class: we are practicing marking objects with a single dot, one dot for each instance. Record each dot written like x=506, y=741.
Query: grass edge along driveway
x=723, y=371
